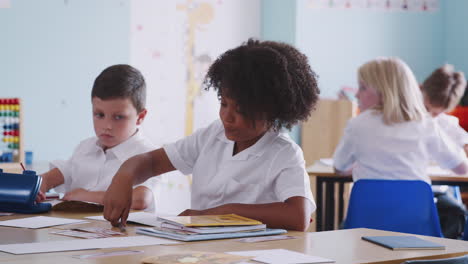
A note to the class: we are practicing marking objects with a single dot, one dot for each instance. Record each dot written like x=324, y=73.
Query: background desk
x=344, y=246
x=327, y=178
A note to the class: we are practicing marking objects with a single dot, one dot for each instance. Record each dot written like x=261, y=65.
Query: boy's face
x=237, y=127
x=431, y=109
x=115, y=120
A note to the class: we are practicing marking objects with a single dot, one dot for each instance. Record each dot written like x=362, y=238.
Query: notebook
x=189, y=236
x=210, y=220
x=403, y=242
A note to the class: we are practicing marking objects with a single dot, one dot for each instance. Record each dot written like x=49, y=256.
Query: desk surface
x=344, y=246
x=435, y=173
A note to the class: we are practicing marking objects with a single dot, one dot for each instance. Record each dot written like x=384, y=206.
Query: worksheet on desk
x=40, y=222
x=281, y=256
x=79, y=244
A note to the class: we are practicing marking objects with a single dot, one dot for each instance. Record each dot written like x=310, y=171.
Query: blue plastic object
x=393, y=205
x=18, y=193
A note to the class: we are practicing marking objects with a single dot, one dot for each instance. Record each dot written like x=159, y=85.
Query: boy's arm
x=137, y=169
x=465, y=148
x=51, y=179
x=292, y=214
x=142, y=197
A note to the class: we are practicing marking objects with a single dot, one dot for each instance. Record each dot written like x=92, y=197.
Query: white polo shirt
x=272, y=170
x=92, y=169
x=398, y=151
x=452, y=128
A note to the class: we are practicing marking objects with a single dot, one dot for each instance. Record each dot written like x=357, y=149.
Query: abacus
x=11, y=138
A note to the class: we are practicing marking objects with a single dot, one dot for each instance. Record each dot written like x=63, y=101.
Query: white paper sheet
x=80, y=244
x=40, y=222
x=144, y=218
x=281, y=256
x=327, y=162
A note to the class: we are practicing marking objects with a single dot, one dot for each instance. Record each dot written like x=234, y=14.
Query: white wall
x=169, y=41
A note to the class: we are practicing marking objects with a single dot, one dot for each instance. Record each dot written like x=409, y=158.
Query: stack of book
x=207, y=227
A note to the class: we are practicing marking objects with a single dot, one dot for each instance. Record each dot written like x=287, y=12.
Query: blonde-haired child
x=393, y=137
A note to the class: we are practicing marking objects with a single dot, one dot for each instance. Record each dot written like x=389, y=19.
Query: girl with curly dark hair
x=243, y=163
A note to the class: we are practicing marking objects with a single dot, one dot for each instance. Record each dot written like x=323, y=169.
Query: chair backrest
x=456, y=260
x=465, y=232
x=393, y=205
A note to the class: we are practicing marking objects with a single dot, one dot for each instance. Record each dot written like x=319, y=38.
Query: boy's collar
x=121, y=150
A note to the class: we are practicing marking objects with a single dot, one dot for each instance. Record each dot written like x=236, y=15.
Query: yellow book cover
x=210, y=220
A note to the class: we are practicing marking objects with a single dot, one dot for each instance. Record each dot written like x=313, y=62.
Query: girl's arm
x=292, y=214
x=343, y=172
x=461, y=169
x=137, y=169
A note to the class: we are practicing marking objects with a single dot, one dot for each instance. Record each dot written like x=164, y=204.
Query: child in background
x=242, y=163
x=393, y=137
x=118, y=98
x=442, y=91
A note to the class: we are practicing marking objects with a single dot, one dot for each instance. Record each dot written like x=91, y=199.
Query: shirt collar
x=256, y=149
x=123, y=150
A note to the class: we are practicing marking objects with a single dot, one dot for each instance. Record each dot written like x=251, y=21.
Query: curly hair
x=268, y=80
x=444, y=87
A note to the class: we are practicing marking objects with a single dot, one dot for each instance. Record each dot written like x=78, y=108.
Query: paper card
x=79, y=234
x=109, y=254
x=281, y=256
x=105, y=232
x=264, y=238
x=40, y=222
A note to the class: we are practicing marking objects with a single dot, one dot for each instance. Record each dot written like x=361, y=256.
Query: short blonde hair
x=445, y=87
x=401, y=98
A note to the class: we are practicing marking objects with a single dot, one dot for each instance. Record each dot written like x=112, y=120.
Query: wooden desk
x=344, y=246
x=327, y=178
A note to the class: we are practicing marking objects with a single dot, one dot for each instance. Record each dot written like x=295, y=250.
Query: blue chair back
x=393, y=205
x=465, y=232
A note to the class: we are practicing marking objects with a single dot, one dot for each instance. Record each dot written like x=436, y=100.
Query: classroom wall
x=339, y=40
x=279, y=24
x=456, y=34
x=51, y=51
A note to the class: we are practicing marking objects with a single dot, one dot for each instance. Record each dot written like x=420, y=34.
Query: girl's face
x=367, y=97
x=237, y=127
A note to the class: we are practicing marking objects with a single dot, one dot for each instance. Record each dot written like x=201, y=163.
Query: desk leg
x=318, y=211
x=330, y=206
x=340, y=203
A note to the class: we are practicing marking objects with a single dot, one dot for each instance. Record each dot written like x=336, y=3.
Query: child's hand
x=40, y=197
x=78, y=194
